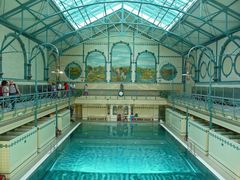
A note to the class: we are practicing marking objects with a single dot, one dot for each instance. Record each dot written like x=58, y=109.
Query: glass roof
x=162, y=13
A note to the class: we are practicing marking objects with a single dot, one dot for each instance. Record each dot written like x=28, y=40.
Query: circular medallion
x=237, y=64
x=227, y=66
x=73, y=70
x=203, y=70
x=168, y=72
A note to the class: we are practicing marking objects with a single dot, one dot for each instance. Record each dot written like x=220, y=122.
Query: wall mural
x=73, y=71
x=95, y=63
x=146, y=67
x=121, y=58
x=168, y=72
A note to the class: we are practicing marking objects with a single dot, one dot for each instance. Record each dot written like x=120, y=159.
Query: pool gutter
x=30, y=171
x=198, y=157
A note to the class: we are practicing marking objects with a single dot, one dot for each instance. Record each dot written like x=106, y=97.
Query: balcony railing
x=20, y=103
x=221, y=105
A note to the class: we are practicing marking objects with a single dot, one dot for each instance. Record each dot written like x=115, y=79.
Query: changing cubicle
x=176, y=120
x=16, y=147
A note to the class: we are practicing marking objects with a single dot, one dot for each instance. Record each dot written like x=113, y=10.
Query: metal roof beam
x=55, y=23
x=221, y=7
x=204, y=23
x=144, y=23
x=56, y=9
x=18, y=30
x=237, y=29
x=77, y=44
x=156, y=40
x=198, y=29
x=149, y=3
x=27, y=8
x=20, y=8
x=152, y=38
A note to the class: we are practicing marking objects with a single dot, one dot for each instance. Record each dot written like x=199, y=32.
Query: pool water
x=122, y=151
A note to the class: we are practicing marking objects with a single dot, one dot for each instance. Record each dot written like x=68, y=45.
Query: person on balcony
x=59, y=89
x=54, y=90
x=5, y=93
x=85, y=90
x=66, y=89
x=13, y=92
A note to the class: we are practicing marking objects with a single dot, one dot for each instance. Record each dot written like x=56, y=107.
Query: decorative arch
x=95, y=70
x=190, y=68
x=228, y=63
x=36, y=50
x=145, y=70
x=39, y=49
x=54, y=60
x=121, y=62
x=208, y=65
x=4, y=46
x=53, y=52
x=223, y=57
x=237, y=64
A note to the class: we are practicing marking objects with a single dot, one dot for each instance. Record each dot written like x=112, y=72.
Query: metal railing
x=20, y=103
x=90, y=97
x=220, y=105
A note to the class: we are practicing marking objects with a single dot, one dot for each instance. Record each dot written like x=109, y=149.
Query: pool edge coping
x=30, y=171
x=220, y=177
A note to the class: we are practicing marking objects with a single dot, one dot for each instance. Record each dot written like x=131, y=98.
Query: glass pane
x=162, y=13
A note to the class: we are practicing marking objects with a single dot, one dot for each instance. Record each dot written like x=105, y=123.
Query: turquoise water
x=121, y=151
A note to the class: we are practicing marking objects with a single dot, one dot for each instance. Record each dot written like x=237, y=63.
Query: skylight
x=162, y=13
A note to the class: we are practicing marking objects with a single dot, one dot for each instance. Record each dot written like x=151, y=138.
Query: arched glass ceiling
x=175, y=24
x=162, y=13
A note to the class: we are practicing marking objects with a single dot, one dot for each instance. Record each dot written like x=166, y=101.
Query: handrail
x=20, y=103
x=223, y=105
x=155, y=98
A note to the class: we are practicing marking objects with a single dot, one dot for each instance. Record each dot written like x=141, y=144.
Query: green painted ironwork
x=164, y=18
x=36, y=50
x=4, y=46
x=211, y=56
x=146, y=16
x=223, y=55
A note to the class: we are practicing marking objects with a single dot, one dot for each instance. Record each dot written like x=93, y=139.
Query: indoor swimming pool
x=121, y=151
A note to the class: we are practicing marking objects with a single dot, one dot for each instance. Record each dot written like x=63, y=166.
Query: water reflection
x=121, y=129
